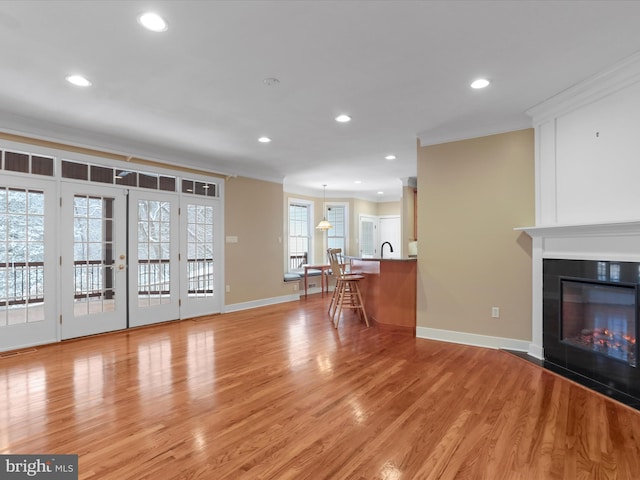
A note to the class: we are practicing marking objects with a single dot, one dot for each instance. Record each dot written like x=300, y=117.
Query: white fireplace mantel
x=598, y=229
x=614, y=241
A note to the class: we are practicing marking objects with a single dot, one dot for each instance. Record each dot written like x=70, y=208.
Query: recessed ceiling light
x=343, y=118
x=480, y=83
x=78, y=80
x=357, y=181
x=390, y=157
x=264, y=139
x=153, y=22
x=380, y=193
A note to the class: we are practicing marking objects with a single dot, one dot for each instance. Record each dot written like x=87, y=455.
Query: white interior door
x=200, y=266
x=93, y=265
x=389, y=231
x=153, y=258
x=28, y=270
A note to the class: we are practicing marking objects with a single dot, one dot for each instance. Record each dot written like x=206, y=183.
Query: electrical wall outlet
x=227, y=288
x=495, y=312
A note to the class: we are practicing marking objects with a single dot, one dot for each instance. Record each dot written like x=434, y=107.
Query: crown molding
x=603, y=84
x=433, y=137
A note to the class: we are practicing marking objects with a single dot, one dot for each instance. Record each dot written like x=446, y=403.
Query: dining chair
x=346, y=294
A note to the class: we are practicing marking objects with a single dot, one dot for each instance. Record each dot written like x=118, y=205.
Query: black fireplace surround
x=590, y=321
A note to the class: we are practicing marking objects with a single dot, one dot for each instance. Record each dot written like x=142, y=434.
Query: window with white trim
x=299, y=241
x=338, y=218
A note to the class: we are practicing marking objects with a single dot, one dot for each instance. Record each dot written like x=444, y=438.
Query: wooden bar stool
x=347, y=291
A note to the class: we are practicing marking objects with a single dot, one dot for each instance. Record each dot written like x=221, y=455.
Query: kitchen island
x=389, y=291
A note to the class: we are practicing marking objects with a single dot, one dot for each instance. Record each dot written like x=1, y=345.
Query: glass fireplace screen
x=600, y=317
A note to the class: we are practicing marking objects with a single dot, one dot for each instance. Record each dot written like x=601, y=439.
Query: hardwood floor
x=278, y=393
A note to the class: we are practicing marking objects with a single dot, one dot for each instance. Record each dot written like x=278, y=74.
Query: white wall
x=588, y=150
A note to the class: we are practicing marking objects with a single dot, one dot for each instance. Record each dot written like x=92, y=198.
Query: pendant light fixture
x=324, y=224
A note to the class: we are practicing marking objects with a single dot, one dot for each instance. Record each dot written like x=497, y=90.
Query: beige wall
x=388, y=208
x=472, y=194
x=254, y=267
x=356, y=208
x=408, y=213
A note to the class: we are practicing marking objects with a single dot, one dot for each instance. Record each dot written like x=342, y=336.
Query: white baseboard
x=536, y=351
x=310, y=291
x=236, y=307
x=473, y=339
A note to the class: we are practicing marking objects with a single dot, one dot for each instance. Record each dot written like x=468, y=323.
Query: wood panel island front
x=389, y=291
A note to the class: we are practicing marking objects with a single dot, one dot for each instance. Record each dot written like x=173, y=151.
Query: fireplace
x=590, y=320
x=599, y=317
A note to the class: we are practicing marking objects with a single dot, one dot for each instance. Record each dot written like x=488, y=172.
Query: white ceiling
x=195, y=95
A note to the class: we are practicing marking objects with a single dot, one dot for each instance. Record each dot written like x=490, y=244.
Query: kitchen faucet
x=382, y=248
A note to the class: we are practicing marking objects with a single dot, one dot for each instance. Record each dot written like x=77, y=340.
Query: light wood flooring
x=277, y=393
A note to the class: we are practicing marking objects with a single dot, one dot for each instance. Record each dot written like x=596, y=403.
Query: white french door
x=154, y=276
x=93, y=266
x=87, y=246
x=200, y=257
x=96, y=268
x=27, y=262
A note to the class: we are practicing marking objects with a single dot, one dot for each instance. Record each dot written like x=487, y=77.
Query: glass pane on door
x=93, y=255
x=367, y=240
x=154, y=252
x=200, y=261
x=22, y=294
